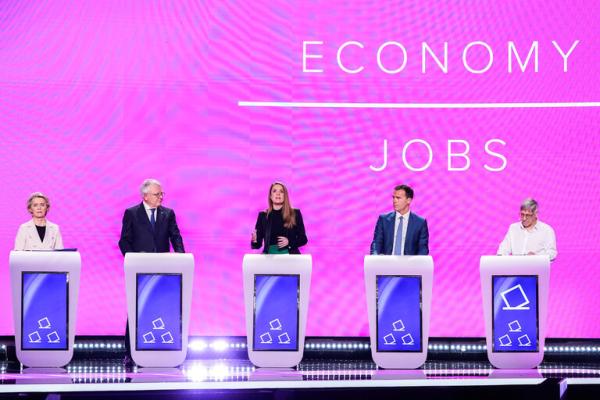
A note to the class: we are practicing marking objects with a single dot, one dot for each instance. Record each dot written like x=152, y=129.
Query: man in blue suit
x=401, y=232
x=149, y=227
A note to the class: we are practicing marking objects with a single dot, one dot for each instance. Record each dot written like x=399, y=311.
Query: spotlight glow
x=197, y=345
x=219, y=345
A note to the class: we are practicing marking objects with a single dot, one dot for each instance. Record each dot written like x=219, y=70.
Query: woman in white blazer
x=38, y=233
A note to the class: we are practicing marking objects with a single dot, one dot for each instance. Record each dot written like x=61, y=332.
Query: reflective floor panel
x=233, y=376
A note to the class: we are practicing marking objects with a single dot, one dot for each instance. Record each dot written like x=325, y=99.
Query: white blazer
x=28, y=238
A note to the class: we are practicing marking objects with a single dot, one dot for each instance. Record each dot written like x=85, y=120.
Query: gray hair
x=530, y=204
x=146, y=184
x=37, y=195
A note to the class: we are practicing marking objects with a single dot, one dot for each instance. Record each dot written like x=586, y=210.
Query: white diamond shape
x=524, y=305
x=53, y=337
x=167, y=337
x=149, y=338
x=275, y=325
x=398, y=326
x=284, y=338
x=407, y=340
x=389, y=339
x=524, y=341
x=35, y=337
x=514, y=326
x=266, y=338
x=44, y=323
x=505, y=340
x=158, y=324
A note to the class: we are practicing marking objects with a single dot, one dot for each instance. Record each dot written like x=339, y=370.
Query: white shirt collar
x=403, y=215
x=147, y=207
x=535, y=227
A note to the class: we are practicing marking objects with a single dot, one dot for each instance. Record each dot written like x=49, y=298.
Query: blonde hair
x=288, y=213
x=37, y=195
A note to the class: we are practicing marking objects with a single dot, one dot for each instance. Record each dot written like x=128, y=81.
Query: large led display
x=276, y=312
x=44, y=313
x=399, y=313
x=158, y=310
x=515, y=323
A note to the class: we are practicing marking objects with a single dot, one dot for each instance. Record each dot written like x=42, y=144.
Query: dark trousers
x=127, y=345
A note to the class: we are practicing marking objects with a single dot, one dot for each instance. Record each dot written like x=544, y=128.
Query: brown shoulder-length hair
x=289, y=215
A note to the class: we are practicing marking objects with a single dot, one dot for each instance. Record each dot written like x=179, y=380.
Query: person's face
x=154, y=196
x=277, y=195
x=401, y=202
x=38, y=208
x=528, y=218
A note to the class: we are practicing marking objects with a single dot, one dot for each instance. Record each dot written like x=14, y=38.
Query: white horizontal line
x=254, y=385
x=301, y=104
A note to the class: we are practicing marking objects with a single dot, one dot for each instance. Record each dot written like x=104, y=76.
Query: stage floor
x=330, y=378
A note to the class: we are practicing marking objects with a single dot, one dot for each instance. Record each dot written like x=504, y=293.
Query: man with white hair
x=148, y=227
x=530, y=236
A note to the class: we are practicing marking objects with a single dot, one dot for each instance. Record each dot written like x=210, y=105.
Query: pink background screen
x=95, y=96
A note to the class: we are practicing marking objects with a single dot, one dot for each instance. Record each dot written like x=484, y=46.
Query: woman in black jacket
x=280, y=226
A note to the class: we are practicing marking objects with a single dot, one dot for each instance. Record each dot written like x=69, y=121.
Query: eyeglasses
x=159, y=194
x=526, y=215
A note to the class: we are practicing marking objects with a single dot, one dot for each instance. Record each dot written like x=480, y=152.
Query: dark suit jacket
x=417, y=235
x=296, y=235
x=137, y=235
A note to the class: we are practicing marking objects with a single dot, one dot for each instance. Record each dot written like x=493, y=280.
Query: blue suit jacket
x=417, y=235
x=138, y=236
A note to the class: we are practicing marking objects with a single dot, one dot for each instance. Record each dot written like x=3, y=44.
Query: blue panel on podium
x=44, y=317
x=515, y=313
x=158, y=310
x=399, y=319
x=276, y=312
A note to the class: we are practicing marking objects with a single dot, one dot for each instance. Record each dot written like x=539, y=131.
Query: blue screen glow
x=158, y=310
x=44, y=313
x=515, y=313
x=276, y=299
x=399, y=315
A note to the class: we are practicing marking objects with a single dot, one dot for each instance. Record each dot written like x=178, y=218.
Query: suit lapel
x=160, y=217
x=410, y=231
x=390, y=222
x=34, y=235
x=49, y=233
x=143, y=217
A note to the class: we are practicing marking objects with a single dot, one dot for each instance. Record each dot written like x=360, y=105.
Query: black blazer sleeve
x=125, y=242
x=298, y=233
x=174, y=234
x=423, y=248
x=377, y=243
x=260, y=230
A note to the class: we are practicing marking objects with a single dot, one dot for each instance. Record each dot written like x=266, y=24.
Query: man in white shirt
x=529, y=236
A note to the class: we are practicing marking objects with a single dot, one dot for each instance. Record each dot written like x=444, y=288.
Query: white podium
x=515, y=303
x=45, y=288
x=276, y=290
x=159, y=299
x=399, y=304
